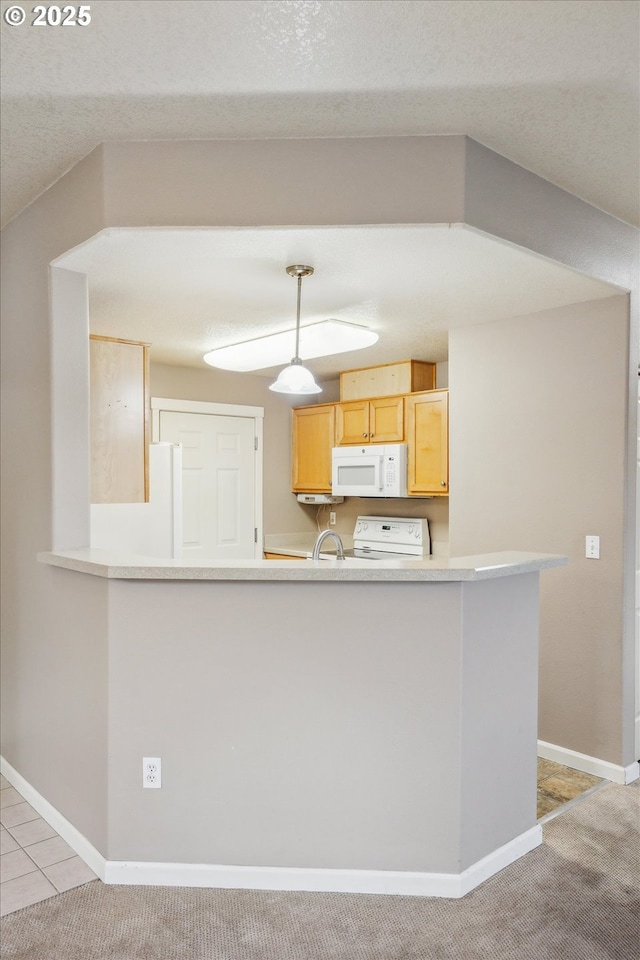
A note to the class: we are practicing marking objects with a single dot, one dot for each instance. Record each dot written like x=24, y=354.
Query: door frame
x=166, y=404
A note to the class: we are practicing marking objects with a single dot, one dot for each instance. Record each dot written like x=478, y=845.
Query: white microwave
x=372, y=470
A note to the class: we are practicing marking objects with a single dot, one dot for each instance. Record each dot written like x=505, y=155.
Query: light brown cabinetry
x=427, y=426
x=119, y=422
x=387, y=379
x=281, y=556
x=419, y=419
x=313, y=435
x=370, y=421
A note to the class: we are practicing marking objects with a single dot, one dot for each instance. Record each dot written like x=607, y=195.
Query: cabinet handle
x=364, y=434
x=443, y=483
x=371, y=434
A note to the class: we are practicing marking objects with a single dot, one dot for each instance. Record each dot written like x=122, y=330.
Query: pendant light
x=296, y=378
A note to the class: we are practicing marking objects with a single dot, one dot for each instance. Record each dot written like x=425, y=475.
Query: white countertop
x=113, y=565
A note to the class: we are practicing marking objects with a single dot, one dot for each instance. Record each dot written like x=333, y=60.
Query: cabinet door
x=352, y=423
x=427, y=418
x=119, y=420
x=386, y=420
x=387, y=379
x=313, y=437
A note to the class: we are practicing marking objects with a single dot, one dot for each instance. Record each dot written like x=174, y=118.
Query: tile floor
x=35, y=863
x=558, y=785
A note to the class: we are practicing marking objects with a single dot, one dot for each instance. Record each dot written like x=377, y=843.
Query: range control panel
x=393, y=534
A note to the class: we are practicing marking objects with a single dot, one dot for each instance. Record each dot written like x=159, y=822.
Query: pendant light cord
x=296, y=356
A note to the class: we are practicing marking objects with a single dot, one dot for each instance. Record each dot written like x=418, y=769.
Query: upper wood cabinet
x=313, y=434
x=387, y=379
x=419, y=419
x=119, y=421
x=427, y=425
x=370, y=421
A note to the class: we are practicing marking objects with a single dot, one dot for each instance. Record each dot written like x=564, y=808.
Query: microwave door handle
x=380, y=469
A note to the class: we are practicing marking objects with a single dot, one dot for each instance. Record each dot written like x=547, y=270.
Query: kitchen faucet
x=321, y=538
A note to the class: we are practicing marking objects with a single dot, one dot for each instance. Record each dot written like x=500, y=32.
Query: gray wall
x=287, y=736
x=267, y=182
x=53, y=643
x=504, y=199
x=388, y=180
x=308, y=724
x=54, y=652
x=498, y=680
x=537, y=457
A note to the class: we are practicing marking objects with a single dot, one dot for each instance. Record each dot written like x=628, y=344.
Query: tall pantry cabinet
x=119, y=420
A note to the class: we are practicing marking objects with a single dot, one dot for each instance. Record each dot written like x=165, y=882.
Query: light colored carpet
x=574, y=898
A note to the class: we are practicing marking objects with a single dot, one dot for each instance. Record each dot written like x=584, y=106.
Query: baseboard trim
x=388, y=882
x=76, y=840
x=587, y=764
x=319, y=880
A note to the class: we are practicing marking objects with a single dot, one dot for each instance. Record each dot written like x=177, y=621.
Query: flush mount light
x=321, y=339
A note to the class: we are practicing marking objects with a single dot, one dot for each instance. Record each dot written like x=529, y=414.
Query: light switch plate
x=592, y=548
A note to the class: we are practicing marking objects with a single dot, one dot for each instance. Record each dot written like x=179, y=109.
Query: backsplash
x=435, y=510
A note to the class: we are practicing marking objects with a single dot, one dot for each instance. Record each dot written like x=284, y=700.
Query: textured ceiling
x=550, y=84
x=188, y=291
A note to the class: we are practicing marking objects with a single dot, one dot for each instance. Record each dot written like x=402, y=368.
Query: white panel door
x=218, y=483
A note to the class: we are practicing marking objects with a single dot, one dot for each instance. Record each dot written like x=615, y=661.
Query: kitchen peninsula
x=329, y=725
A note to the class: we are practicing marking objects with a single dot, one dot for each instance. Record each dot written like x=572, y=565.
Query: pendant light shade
x=296, y=378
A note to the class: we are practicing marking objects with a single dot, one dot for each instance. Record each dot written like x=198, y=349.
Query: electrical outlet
x=332, y=518
x=152, y=772
x=592, y=548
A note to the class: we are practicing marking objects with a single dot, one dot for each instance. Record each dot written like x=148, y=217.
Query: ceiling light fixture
x=296, y=378
x=320, y=339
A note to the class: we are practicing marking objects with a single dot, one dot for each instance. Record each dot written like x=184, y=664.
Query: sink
x=349, y=557
x=351, y=554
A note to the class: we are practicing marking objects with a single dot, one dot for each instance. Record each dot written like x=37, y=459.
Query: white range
x=390, y=538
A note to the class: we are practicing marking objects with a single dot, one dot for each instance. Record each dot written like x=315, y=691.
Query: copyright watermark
x=49, y=16
x=14, y=16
